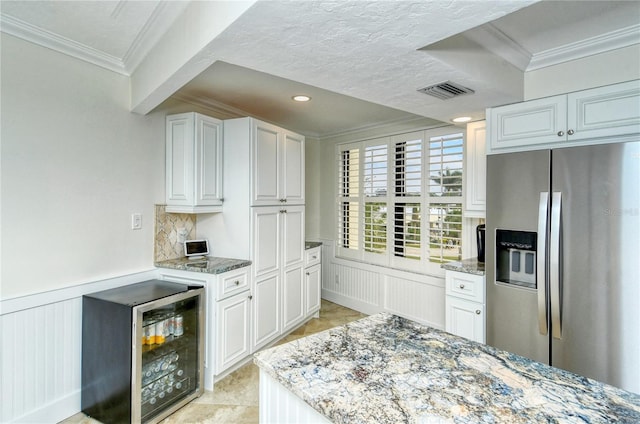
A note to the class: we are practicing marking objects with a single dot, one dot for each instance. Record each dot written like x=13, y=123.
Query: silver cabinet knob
x=250, y=297
x=307, y=273
x=461, y=286
x=237, y=282
x=560, y=133
x=478, y=311
x=570, y=132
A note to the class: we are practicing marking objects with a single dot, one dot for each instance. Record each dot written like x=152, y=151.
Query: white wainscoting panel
x=41, y=361
x=40, y=352
x=279, y=406
x=421, y=301
x=352, y=287
x=371, y=289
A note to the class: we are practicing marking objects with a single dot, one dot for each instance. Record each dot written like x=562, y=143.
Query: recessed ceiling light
x=462, y=119
x=301, y=98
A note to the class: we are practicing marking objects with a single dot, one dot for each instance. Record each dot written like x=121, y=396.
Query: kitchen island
x=387, y=369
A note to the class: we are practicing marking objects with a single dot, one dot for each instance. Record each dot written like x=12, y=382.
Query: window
x=400, y=199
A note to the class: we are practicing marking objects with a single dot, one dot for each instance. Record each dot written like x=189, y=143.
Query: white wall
x=75, y=165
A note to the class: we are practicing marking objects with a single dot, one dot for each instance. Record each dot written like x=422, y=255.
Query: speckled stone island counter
x=387, y=369
x=209, y=264
x=470, y=266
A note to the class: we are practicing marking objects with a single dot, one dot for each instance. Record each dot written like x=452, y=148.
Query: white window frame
x=423, y=265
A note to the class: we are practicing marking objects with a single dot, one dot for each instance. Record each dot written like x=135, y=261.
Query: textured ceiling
x=361, y=61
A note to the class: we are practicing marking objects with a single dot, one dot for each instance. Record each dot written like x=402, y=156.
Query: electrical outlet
x=136, y=221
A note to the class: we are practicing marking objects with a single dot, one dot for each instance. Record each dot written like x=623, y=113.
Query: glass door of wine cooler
x=168, y=356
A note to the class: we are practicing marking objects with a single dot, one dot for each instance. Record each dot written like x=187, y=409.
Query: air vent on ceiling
x=446, y=90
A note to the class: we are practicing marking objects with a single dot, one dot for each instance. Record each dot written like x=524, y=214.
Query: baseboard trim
x=54, y=412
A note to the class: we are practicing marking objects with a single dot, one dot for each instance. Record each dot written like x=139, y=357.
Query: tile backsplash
x=167, y=226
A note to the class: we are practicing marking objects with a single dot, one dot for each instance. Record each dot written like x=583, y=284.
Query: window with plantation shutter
x=400, y=199
x=445, y=197
x=349, y=199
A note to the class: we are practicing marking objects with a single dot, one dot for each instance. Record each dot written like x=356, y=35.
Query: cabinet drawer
x=312, y=256
x=232, y=282
x=465, y=286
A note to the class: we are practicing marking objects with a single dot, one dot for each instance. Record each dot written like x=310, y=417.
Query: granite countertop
x=208, y=264
x=470, y=266
x=387, y=369
x=312, y=244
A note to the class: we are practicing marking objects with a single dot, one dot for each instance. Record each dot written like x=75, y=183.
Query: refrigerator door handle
x=541, y=271
x=554, y=266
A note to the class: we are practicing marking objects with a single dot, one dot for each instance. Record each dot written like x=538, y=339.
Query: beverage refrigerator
x=142, y=351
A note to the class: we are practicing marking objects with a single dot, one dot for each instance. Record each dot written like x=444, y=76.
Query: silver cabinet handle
x=560, y=133
x=541, y=271
x=554, y=266
x=478, y=311
x=570, y=132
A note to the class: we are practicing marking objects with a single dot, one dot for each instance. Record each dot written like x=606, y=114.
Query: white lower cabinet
x=312, y=280
x=465, y=305
x=232, y=321
x=292, y=297
x=465, y=318
x=266, y=308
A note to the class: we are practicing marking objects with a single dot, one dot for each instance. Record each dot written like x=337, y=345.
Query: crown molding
x=162, y=17
x=44, y=38
x=221, y=110
x=613, y=40
x=499, y=43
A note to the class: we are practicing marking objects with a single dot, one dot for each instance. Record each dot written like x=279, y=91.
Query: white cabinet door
x=604, y=112
x=292, y=234
x=266, y=158
x=465, y=318
x=313, y=281
x=233, y=317
x=266, y=311
x=208, y=167
x=293, y=297
x=475, y=170
x=193, y=163
x=278, y=165
x=293, y=169
x=531, y=123
x=267, y=255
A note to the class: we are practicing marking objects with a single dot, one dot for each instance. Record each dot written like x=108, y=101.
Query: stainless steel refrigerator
x=563, y=259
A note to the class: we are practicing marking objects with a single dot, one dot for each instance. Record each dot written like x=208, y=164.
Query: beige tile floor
x=234, y=399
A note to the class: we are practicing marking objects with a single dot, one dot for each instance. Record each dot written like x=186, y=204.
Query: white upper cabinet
x=193, y=163
x=475, y=171
x=278, y=160
x=604, y=114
